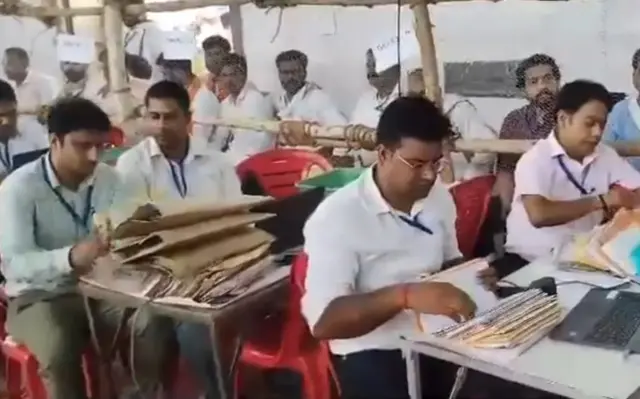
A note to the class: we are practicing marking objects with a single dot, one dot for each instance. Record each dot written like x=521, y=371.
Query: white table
x=569, y=370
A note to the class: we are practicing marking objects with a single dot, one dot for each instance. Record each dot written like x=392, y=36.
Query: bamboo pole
x=68, y=20
x=429, y=60
x=178, y=5
x=118, y=79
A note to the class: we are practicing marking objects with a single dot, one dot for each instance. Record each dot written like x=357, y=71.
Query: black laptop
x=291, y=214
x=19, y=160
x=606, y=319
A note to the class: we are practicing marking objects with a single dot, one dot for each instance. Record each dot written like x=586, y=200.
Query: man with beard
x=15, y=138
x=539, y=77
x=301, y=99
x=33, y=89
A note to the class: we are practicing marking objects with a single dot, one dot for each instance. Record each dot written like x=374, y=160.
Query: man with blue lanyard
x=623, y=124
x=16, y=138
x=567, y=183
x=47, y=241
x=169, y=164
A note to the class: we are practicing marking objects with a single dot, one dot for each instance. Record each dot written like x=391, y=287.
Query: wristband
x=605, y=207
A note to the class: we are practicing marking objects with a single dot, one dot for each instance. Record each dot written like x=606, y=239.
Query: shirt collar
x=557, y=151
x=371, y=195
x=53, y=178
x=196, y=148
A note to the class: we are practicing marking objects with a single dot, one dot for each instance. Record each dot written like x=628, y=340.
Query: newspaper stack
x=203, y=251
x=515, y=321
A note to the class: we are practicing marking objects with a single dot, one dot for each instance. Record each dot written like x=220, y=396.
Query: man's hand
x=488, y=277
x=84, y=253
x=619, y=197
x=440, y=299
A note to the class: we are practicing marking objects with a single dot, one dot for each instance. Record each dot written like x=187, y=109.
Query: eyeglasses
x=434, y=166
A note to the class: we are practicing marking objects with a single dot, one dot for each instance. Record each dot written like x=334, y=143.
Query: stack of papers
x=202, y=251
x=515, y=321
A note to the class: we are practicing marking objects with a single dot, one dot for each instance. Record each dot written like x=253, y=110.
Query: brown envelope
x=188, y=236
x=164, y=215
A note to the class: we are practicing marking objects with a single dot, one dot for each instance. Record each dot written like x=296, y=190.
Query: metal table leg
x=223, y=389
x=412, y=361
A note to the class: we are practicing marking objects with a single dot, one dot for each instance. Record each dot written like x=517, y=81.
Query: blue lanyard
x=83, y=221
x=179, y=179
x=578, y=185
x=6, y=157
x=415, y=223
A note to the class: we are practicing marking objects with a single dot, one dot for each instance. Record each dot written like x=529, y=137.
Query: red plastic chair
x=472, y=198
x=116, y=137
x=21, y=367
x=290, y=345
x=278, y=170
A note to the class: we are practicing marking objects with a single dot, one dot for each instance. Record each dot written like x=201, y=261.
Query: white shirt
x=249, y=104
x=204, y=172
x=34, y=92
x=204, y=107
x=91, y=88
x=356, y=244
x=367, y=112
x=471, y=126
x=311, y=104
x=538, y=172
x=146, y=40
x=30, y=137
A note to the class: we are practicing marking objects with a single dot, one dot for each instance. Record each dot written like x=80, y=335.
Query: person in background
x=623, y=123
x=170, y=164
x=244, y=101
x=48, y=240
x=388, y=228
x=34, y=90
x=79, y=82
x=215, y=48
x=568, y=183
x=384, y=89
x=15, y=138
x=179, y=71
x=539, y=77
x=469, y=125
x=143, y=46
x=301, y=99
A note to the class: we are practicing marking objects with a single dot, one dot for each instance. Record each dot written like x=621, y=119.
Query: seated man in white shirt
x=244, y=101
x=301, y=99
x=567, y=183
x=15, y=138
x=368, y=245
x=170, y=164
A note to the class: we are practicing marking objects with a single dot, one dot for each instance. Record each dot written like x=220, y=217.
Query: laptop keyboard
x=618, y=326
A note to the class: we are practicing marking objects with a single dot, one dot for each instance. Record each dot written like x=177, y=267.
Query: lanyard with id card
x=81, y=221
x=5, y=157
x=178, y=177
x=415, y=223
x=579, y=185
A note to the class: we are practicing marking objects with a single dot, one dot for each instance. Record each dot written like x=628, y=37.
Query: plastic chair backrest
x=278, y=170
x=472, y=199
x=296, y=332
x=116, y=137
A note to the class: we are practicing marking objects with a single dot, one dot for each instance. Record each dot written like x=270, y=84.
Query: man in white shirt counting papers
x=567, y=183
x=170, y=164
x=15, y=138
x=301, y=99
x=368, y=245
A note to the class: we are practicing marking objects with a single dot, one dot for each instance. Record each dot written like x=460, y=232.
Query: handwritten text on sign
x=179, y=45
x=386, y=51
x=72, y=48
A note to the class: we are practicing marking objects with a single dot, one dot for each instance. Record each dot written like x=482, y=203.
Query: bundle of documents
x=207, y=252
x=613, y=248
x=515, y=321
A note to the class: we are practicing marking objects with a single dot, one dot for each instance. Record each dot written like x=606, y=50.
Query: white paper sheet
x=179, y=45
x=385, y=50
x=74, y=48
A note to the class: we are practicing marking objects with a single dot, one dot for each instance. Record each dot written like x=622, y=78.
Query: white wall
x=591, y=39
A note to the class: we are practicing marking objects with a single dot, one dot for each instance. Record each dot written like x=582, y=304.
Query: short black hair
x=535, y=60
x=73, y=114
x=18, y=52
x=7, y=94
x=635, y=60
x=412, y=117
x=167, y=90
x=216, y=41
x=236, y=60
x=574, y=95
x=293, y=55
